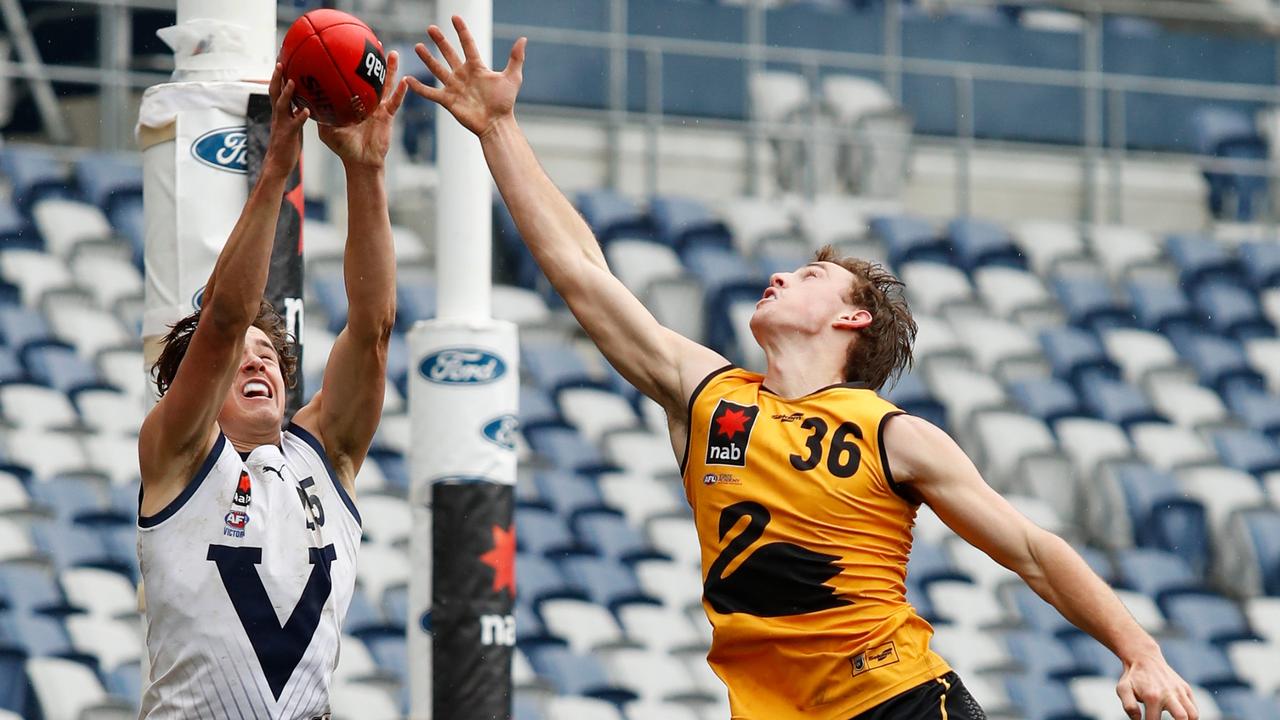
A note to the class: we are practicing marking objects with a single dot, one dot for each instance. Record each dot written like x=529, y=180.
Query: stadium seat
x=69, y=689
x=585, y=626
x=932, y=286
x=574, y=674
x=1040, y=698
x=60, y=367
x=1253, y=661
x=1093, y=657
x=970, y=651
x=964, y=392
x=1141, y=354
x=107, y=410
x=34, y=173
x=567, y=493
x=1251, y=554
x=1017, y=295
x=613, y=216
x=976, y=243
x=415, y=300
x=358, y=700
x=565, y=448
x=1162, y=306
x=1041, y=655
x=1189, y=405
x=1261, y=263
x=1123, y=249
x=1220, y=363
x=910, y=238
x=1228, y=132
x=22, y=326
x=113, y=642
x=752, y=222
x=387, y=520
x=1241, y=704
x=64, y=224
x=1233, y=310
x=595, y=411
x=14, y=497
x=1207, y=616
x=27, y=405
x=552, y=365
x=1007, y=442
x=1199, y=663
x=1090, y=303
x=677, y=584
x=1116, y=401
x=606, y=581
x=1158, y=515
x=1247, y=450
x=661, y=628
x=910, y=393
x=966, y=604
x=1200, y=259
x=1073, y=353
x=330, y=291
x=1049, y=246
x=1154, y=572
x=652, y=676
x=539, y=578
x=683, y=222
x=119, y=368
x=937, y=343
x=574, y=707
x=15, y=230
x=40, y=636
x=640, y=451
x=1168, y=446
x=101, y=593
x=1003, y=348
x=608, y=532
x=47, y=452
x=105, y=178
x=1089, y=442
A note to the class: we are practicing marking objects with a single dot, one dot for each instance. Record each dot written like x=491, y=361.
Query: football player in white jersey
x=248, y=533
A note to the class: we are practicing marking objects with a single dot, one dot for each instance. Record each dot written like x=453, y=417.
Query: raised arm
x=179, y=430
x=344, y=414
x=926, y=460
x=658, y=361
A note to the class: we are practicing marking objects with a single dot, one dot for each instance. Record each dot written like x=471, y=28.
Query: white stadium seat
x=104, y=594
x=585, y=625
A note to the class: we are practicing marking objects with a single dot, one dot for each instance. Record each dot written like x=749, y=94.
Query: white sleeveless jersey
x=248, y=575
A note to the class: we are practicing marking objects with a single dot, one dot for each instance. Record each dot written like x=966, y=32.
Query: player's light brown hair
x=881, y=350
x=175, y=344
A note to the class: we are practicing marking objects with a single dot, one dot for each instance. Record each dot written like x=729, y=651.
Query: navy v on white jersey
x=247, y=576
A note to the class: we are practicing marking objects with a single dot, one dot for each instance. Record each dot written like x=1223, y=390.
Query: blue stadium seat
x=1093, y=656
x=929, y=562
x=536, y=406
x=1247, y=450
x=719, y=267
x=1233, y=310
x=565, y=447
x=59, y=367
x=611, y=536
x=15, y=693
x=1162, y=307
x=1262, y=530
x=38, y=634
x=125, y=681
x=73, y=545
x=1154, y=572
x=975, y=243
x=514, y=260
x=105, y=178
x=908, y=238
x=539, y=578
x=1074, y=353
x=574, y=674
x=911, y=395
x=1200, y=259
x=392, y=465
x=1042, y=655
x=129, y=220
x=331, y=292
x=22, y=326
x=1041, y=699
x=1244, y=704
x=1162, y=517
x=1090, y=303
x=552, y=366
x=16, y=231
x=395, y=605
x=1207, y=616
x=1199, y=663
x=528, y=625
x=120, y=542
x=526, y=707
x=1258, y=411
x=34, y=173
x=1117, y=401
x=363, y=616
x=541, y=531
x=30, y=589
x=685, y=223
x=415, y=300
x=1039, y=615
x=1219, y=363
x=1049, y=399
x=71, y=497
x=388, y=648
x=11, y=368
x=611, y=215
x=1229, y=132
x=568, y=493
x=606, y=581
x=398, y=363
x=1261, y=261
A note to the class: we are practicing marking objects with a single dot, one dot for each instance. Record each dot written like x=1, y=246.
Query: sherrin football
x=337, y=66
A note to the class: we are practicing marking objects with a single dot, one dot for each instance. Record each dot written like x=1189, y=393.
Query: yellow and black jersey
x=805, y=541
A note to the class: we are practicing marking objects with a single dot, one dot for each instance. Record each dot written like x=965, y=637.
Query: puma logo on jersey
x=730, y=433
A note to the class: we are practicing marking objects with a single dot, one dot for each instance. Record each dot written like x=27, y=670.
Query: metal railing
x=1105, y=95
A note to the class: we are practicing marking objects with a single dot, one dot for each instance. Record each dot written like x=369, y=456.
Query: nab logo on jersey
x=730, y=433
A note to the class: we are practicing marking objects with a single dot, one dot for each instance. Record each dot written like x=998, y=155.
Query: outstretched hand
x=285, y=143
x=477, y=96
x=367, y=142
x=1152, y=682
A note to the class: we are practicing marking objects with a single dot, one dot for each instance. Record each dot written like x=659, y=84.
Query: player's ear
x=852, y=319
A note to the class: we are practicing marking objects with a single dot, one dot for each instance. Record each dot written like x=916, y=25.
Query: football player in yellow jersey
x=804, y=482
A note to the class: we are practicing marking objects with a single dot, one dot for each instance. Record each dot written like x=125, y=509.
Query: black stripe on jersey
x=187, y=492
x=900, y=490
x=688, y=412
x=311, y=440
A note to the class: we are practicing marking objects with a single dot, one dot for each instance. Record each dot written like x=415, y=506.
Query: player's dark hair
x=881, y=350
x=175, y=344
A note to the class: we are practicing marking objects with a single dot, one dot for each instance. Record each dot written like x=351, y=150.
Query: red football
x=337, y=66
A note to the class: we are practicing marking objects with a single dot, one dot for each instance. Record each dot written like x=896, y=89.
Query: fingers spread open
x=469, y=47
x=515, y=63
x=397, y=96
x=433, y=63
x=446, y=48
x=433, y=94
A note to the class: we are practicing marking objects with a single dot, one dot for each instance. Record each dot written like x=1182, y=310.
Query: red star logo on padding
x=502, y=558
x=732, y=422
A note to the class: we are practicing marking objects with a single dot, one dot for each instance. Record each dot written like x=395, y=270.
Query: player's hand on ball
x=477, y=96
x=285, y=143
x=1152, y=682
x=366, y=143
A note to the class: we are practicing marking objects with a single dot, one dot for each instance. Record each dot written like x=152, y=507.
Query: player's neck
x=245, y=441
x=795, y=371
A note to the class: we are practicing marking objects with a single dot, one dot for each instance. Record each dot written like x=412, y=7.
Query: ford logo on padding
x=501, y=431
x=223, y=149
x=462, y=366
